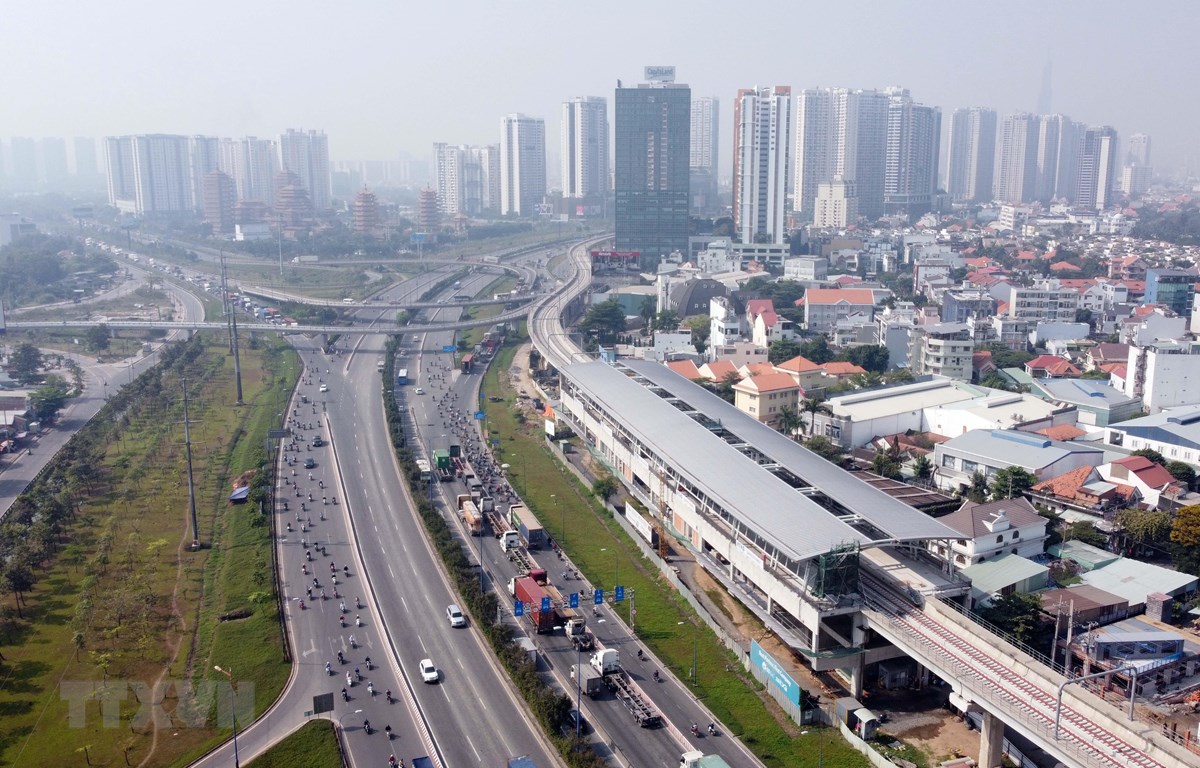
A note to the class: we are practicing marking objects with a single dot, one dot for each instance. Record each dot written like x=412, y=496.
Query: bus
x=402, y=376
x=468, y=362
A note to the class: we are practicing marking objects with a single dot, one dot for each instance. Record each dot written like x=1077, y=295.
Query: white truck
x=697, y=759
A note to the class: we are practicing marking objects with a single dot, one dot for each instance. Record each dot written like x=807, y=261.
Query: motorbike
x=695, y=730
x=345, y=695
x=302, y=605
x=388, y=696
x=349, y=680
x=341, y=657
x=371, y=689
x=304, y=568
x=342, y=621
x=712, y=730
x=358, y=621
x=329, y=669
x=357, y=603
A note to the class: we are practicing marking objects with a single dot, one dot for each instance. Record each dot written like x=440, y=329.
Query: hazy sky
x=383, y=76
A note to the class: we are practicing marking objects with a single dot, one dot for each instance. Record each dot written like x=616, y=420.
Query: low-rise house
x=993, y=579
x=1084, y=555
x=1049, y=366
x=1135, y=581
x=1084, y=604
x=1105, y=353
x=823, y=307
x=806, y=373
x=765, y=324
x=989, y=451
x=1083, y=490
x=765, y=396
x=1152, y=481
x=1174, y=432
x=988, y=531
x=1097, y=403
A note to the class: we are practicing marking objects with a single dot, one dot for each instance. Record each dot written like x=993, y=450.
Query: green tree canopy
x=1085, y=531
x=1011, y=482
x=782, y=350
x=606, y=320
x=50, y=398
x=817, y=350
x=1151, y=454
x=1017, y=613
x=667, y=320
x=25, y=363
x=825, y=448
x=874, y=359
x=1146, y=526
x=1185, y=539
x=1182, y=472
x=97, y=337
x=977, y=491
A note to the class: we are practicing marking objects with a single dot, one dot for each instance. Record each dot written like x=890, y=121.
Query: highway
x=470, y=716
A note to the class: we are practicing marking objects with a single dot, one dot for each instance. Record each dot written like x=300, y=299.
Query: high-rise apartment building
x=1097, y=169
x=762, y=140
x=704, y=155
x=149, y=175
x=522, y=164
x=86, y=165
x=652, y=168
x=23, y=164
x=1138, y=151
x=306, y=154
x=54, y=163
x=253, y=163
x=219, y=199
x=840, y=133
x=972, y=155
x=1059, y=139
x=584, y=147
x=914, y=139
x=1017, y=175
x=837, y=204
x=467, y=178
x=204, y=157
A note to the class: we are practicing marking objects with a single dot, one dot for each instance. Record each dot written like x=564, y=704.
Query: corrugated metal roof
x=793, y=523
x=1133, y=580
x=894, y=517
x=994, y=575
x=1019, y=449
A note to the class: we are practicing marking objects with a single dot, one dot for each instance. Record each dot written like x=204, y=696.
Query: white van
x=455, y=616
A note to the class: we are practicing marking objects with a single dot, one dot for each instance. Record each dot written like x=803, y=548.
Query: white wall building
x=522, y=164
x=584, y=147
x=837, y=204
x=762, y=168
x=306, y=154
x=969, y=167
x=943, y=349
x=1164, y=374
x=806, y=269
x=1045, y=301
x=253, y=163
x=1008, y=526
x=149, y=175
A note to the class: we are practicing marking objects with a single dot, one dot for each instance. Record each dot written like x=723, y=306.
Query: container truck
x=608, y=663
x=590, y=681
x=472, y=518
x=531, y=593
x=527, y=525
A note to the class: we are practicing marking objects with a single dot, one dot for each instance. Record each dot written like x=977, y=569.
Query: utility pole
x=187, y=444
x=225, y=308
x=233, y=337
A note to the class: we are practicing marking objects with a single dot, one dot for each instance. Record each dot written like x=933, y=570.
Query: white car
x=429, y=673
x=324, y=388
x=455, y=615
x=419, y=391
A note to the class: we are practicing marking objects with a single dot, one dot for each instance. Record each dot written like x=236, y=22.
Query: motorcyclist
x=328, y=668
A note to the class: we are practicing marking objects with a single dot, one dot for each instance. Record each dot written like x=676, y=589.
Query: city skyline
x=368, y=111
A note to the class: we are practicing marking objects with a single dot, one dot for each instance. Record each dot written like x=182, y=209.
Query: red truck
x=531, y=593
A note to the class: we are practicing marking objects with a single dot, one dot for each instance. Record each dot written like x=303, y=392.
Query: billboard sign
x=660, y=74
x=774, y=672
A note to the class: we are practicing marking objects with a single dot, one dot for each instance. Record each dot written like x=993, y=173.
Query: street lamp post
x=233, y=710
x=563, y=530
x=695, y=640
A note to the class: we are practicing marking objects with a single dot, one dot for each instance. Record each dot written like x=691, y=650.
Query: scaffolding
x=837, y=572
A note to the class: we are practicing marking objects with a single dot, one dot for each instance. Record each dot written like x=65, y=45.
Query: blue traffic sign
x=480, y=415
x=545, y=604
x=518, y=608
x=620, y=594
x=598, y=596
x=574, y=599
x=449, y=348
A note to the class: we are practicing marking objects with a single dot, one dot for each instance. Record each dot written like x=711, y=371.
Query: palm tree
x=813, y=406
x=790, y=421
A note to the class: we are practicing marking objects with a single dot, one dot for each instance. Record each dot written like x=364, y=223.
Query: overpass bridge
x=272, y=295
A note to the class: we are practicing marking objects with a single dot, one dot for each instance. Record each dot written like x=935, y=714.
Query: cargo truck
x=697, y=759
x=561, y=606
x=531, y=593
x=608, y=663
x=472, y=518
x=589, y=680
x=579, y=635
x=527, y=525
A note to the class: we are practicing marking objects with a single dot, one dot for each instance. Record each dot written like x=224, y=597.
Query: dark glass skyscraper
x=653, y=140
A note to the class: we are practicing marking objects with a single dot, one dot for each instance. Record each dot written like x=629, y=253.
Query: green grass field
x=314, y=745
x=604, y=553
x=125, y=604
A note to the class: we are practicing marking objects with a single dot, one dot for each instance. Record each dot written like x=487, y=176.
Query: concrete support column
x=991, y=741
x=858, y=636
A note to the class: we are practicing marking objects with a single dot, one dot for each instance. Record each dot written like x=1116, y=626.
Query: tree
x=1087, y=532
x=1004, y=357
x=726, y=385
x=1185, y=539
x=25, y=363
x=1145, y=526
x=977, y=491
x=922, y=468
x=873, y=359
x=606, y=320
x=76, y=372
x=646, y=312
x=812, y=406
x=1182, y=472
x=1017, y=614
x=97, y=338
x=825, y=448
x=701, y=326
x=667, y=320
x=817, y=350
x=782, y=350
x=605, y=487
x=1151, y=454
x=885, y=465
x=790, y=421
x=1012, y=482
x=48, y=400
x=995, y=381
x=899, y=376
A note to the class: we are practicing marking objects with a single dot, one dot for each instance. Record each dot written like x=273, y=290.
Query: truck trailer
x=527, y=525
x=531, y=593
